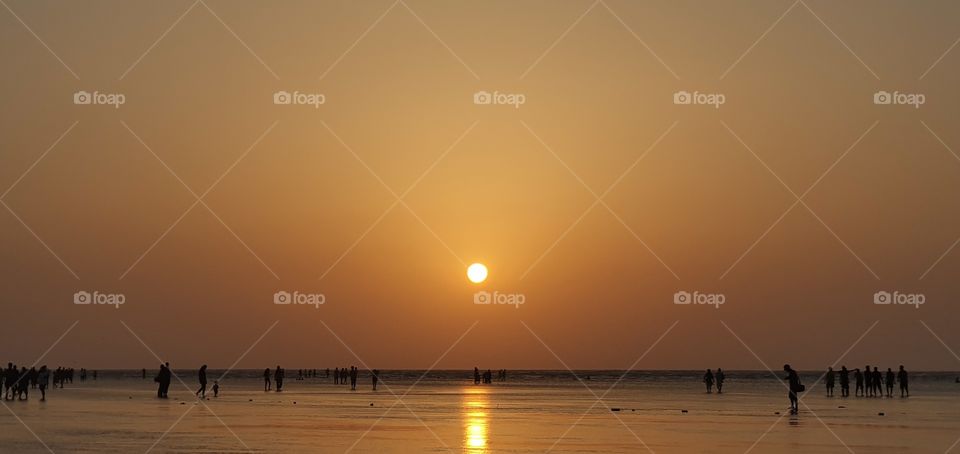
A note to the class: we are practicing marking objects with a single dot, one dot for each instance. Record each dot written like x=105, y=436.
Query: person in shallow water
x=793, y=383
x=708, y=380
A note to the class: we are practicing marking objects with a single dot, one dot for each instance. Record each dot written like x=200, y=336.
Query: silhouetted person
x=375, y=377
x=793, y=382
x=708, y=380
x=216, y=388
x=844, y=382
x=163, y=380
x=202, y=373
x=868, y=380
x=904, y=385
x=336, y=376
x=43, y=380
x=353, y=378
x=877, y=383
x=830, y=381
x=720, y=377
x=23, y=384
x=9, y=377
x=858, y=376
x=476, y=376
x=890, y=379
x=144, y=374
x=266, y=379
x=278, y=378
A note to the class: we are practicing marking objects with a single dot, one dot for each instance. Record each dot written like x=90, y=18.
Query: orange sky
x=694, y=198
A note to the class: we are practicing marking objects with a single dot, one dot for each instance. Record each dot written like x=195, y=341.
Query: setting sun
x=477, y=273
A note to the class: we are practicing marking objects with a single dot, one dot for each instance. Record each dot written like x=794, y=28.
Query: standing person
x=793, y=382
x=216, y=388
x=868, y=381
x=23, y=384
x=278, y=378
x=336, y=375
x=720, y=378
x=844, y=382
x=375, y=378
x=353, y=378
x=890, y=380
x=144, y=374
x=43, y=379
x=708, y=380
x=903, y=379
x=9, y=377
x=202, y=373
x=266, y=379
x=877, y=382
x=858, y=376
x=476, y=376
x=158, y=380
x=830, y=381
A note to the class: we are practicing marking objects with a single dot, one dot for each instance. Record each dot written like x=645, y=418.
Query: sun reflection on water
x=475, y=421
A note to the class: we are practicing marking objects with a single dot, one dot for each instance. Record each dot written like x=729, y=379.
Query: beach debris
x=614, y=409
x=294, y=402
x=251, y=400
x=842, y=406
x=776, y=412
x=881, y=414
x=683, y=411
x=371, y=404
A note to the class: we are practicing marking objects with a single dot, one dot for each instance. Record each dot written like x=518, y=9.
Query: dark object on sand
x=683, y=411
x=880, y=414
x=614, y=409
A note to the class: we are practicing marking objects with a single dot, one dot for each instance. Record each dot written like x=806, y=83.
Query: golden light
x=477, y=273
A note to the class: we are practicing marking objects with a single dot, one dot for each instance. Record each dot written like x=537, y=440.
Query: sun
x=477, y=273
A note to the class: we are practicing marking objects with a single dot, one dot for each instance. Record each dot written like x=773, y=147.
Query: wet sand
x=522, y=415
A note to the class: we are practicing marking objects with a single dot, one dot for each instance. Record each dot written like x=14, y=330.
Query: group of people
x=341, y=377
x=709, y=379
x=17, y=383
x=869, y=383
x=278, y=375
x=487, y=377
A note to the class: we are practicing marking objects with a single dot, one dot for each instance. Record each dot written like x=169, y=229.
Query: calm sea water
x=533, y=411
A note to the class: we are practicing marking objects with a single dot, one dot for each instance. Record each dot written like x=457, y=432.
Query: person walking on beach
x=375, y=376
x=902, y=378
x=844, y=382
x=877, y=383
x=159, y=379
x=43, y=380
x=202, y=373
x=353, y=377
x=708, y=380
x=793, y=382
x=830, y=381
x=278, y=378
x=720, y=378
x=266, y=379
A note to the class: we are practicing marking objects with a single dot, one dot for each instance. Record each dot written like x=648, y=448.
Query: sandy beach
x=531, y=412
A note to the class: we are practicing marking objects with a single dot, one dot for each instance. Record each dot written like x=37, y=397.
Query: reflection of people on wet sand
x=793, y=382
x=708, y=380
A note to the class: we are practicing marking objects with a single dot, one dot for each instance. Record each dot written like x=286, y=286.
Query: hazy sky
x=305, y=198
